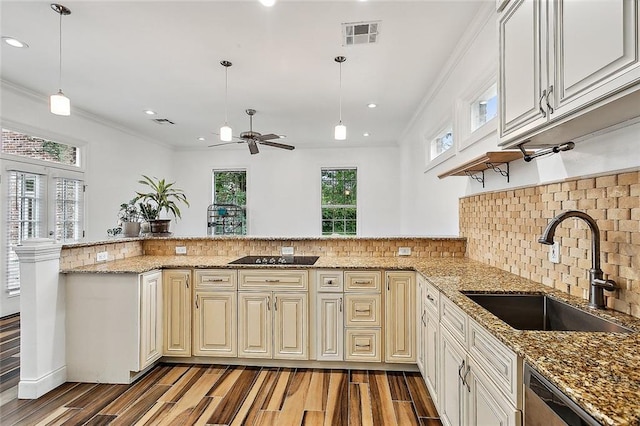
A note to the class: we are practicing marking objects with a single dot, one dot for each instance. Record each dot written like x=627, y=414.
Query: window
x=484, y=108
x=339, y=198
x=228, y=214
x=441, y=143
x=42, y=200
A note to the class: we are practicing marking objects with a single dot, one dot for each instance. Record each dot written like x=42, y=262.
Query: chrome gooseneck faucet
x=598, y=284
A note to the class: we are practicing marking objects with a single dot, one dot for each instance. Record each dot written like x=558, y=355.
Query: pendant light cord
x=60, y=57
x=226, y=91
x=340, y=92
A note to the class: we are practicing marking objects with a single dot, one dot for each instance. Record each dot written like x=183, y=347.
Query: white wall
x=430, y=205
x=113, y=159
x=283, y=188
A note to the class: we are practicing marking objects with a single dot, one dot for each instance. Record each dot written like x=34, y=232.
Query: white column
x=42, y=318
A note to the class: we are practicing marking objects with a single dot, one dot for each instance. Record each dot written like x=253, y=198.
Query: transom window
x=339, y=189
x=228, y=213
x=17, y=143
x=441, y=143
x=484, y=108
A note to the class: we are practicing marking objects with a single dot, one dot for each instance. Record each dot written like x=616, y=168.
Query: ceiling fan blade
x=223, y=143
x=253, y=148
x=278, y=145
x=267, y=137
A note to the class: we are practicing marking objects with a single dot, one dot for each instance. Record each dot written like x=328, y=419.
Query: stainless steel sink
x=275, y=260
x=539, y=312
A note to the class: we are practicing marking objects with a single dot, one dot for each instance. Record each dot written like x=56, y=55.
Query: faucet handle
x=609, y=285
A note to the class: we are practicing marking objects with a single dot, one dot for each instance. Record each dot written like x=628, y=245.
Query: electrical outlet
x=554, y=253
x=181, y=250
x=286, y=251
x=102, y=256
x=404, y=251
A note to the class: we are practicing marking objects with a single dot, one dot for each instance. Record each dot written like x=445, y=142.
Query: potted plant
x=129, y=216
x=162, y=195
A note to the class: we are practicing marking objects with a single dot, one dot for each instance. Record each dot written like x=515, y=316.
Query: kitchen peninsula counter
x=599, y=371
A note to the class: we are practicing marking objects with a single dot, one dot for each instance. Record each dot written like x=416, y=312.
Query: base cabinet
x=214, y=324
x=330, y=327
x=400, y=324
x=453, y=393
x=177, y=312
x=150, y=318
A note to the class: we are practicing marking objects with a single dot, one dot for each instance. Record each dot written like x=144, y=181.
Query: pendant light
x=340, y=132
x=59, y=104
x=226, y=134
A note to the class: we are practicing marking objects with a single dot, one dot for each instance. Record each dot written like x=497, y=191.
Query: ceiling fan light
x=340, y=132
x=60, y=104
x=226, y=134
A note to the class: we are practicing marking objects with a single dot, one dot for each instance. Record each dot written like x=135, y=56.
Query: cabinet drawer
x=363, y=345
x=329, y=280
x=223, y=279
x=431, y=299
x=498, y=361
x=362, y=281
x=362, y=310
x=261, y=279
x=454, y=319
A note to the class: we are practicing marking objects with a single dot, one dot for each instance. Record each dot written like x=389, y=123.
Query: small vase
x=131, y=229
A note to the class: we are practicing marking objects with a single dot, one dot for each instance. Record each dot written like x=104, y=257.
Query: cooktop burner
x=275, y=260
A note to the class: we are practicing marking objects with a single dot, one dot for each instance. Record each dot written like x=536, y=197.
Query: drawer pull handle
x=362, y=282
x=423, y=321
x=271, y=281
x=268, y=303
x=431, y=299
x=549, y=107
x=275, y=303
x=211, y=280
x=542, y=111
x=340, y=304
x=363, y=310
x=363, y=346
x=187, y=281
x=330, y=282
x=197, y=307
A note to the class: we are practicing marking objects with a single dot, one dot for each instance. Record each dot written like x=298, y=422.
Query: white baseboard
x=33, y=389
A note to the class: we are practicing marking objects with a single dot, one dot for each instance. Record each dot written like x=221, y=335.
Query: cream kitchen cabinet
x=430, y=323
x=113, y=327
x=273, y=324
x=176, y=285
x=400, y=312
x=363, y=316
x=215, y=326
x=566, y=68
x=329, y=315
x=421, y=311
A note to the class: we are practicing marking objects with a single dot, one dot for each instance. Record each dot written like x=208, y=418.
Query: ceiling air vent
x=360, y=33
x=162, y=121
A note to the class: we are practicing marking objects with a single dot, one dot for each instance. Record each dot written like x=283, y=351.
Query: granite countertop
x=597, y=370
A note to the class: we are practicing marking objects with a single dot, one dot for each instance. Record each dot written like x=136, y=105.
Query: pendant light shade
x=59, y=104
x=340, y=131
x=226, y=133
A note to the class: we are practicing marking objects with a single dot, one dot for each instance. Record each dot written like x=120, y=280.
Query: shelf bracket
x=504, y=173
x=476, y=177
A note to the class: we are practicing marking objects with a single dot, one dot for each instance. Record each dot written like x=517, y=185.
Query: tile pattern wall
x=502, y=230
x=360, y=247
x=83, y=256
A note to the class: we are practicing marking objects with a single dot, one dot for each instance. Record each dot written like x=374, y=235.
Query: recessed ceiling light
x=200, y=138
x=282, y=136
x=365, y=134
x=268, y=3
x=149, y=112
x=14, y=42
x=372, y=105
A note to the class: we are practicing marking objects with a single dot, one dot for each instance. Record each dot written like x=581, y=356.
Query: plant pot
x=131, y=229
x=160, y=226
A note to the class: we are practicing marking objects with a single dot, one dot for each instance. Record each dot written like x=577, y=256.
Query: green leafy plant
x=148, y=212
x=129, y=212
x=162, y=195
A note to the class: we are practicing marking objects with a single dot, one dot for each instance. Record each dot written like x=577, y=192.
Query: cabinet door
x=330, y=327
x=487, y=406
x=214, y=323
x=254, y=325
x=522, y=78
x=177, y=312
x=422, y=327
x=400, y=315
x=431, y=349
x=291, y=329
x=452, y=397
x=595, y=50
x=150, y=318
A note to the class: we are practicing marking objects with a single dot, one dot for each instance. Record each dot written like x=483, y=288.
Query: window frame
x=355, y=205
x=463, y=112
x=443, y=125
x=246, y=203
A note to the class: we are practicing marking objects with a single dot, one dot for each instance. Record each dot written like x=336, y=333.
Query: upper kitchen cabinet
x=567, y=68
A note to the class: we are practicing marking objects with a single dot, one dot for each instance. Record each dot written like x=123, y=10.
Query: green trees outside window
x=339, y=201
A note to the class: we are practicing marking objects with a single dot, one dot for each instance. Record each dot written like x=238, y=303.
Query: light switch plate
x=404, y=251
x=181, y=250
x=102, y=256
x=554, y=253
x=286, y=251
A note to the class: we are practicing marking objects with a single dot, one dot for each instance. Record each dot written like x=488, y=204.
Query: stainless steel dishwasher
x=546, y=405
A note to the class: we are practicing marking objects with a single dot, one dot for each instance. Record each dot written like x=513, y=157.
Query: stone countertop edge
x=263, y=238
x=597, y=370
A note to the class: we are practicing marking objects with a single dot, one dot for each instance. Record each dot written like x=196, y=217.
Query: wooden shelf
x=491, y=160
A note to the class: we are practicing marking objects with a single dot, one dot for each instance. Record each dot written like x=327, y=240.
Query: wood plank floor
x=177, y=394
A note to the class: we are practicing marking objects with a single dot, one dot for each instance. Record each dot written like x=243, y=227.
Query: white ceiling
x=120, y=58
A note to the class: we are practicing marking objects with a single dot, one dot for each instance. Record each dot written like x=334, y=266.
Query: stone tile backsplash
x=502, y=230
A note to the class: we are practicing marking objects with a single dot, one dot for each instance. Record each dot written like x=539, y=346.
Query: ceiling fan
x=252, y=138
